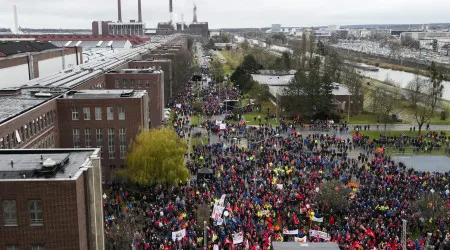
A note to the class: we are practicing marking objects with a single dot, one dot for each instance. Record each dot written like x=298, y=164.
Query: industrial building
x=120, y=28
x=38, y=113
x=51, y=198
x=21, y=61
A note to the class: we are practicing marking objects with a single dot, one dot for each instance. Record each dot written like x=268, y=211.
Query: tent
x=205, y=173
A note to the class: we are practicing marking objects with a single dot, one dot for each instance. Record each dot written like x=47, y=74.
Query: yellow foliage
x=156, y=156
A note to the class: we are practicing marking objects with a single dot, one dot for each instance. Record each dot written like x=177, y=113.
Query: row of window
x=17, y=247
x=98, y=113
x=28, y=131
x=76, y=139
x=47, y=142
x=130, y=83
x=34, y=211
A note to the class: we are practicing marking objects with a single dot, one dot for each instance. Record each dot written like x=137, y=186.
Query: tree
x=394, y=48
x=432, y=206
x=249, y=65
x=436, y=84
x=312, y=45
x=260, y=93
x=216, y=70
x=409, y=42
x=354, y=82
x=334, y=196
x=237, y=74
x=420, y=98
x=245, y=82
x=156, y=156
x=385, y=102
x=286, y=57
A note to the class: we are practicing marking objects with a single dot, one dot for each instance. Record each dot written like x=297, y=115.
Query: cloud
x=230, y=13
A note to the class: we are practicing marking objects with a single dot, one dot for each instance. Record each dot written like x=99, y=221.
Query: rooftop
x=59, y=82
x=32, y=164
x=136, y=71
x=8, y=48
x=116, y=44
x=105, y=94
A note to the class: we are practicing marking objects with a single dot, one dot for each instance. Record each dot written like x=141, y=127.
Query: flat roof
x=28, y=164
x=105, y=94
x=12, y=106
x=304, y=245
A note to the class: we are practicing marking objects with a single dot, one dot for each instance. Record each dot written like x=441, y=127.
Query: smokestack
x=171, y=10
x=119, y=11
x=16, y=22
x=195, y=14
x=139, y=12
x=182, y=22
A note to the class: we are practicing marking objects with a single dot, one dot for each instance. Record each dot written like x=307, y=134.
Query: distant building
x=131, y=28
x=427, y=34
x=165, y=28
x=51, y=198
x=225, y=46
x=276, y=28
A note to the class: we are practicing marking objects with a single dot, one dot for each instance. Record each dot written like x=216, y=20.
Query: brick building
x=163, y=64
x=148, y=79
x=105, y=119
x=30, y=115
x=51, y=199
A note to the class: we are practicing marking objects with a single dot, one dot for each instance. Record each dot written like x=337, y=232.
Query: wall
x=14, y=76
x=155, y=91
x=134, y=121
x=60, y=214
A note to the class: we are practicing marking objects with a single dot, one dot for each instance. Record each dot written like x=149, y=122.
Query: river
x=402, y=78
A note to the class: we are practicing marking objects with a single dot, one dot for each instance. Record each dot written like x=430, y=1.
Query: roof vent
x=43, y=94
x=49, y=163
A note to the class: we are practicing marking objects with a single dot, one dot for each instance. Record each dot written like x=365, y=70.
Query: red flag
x=370, y=233
x=294, y=217
x=357, y=245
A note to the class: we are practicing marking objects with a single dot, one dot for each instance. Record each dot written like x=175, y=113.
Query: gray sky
x=226, y=13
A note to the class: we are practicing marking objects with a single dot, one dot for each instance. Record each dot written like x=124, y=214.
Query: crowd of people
x=271, y=190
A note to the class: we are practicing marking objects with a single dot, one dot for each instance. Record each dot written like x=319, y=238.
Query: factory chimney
x=182, y=22
x=139, y=12
x=119, y=11
x=171, y=10
x=195, y=14
x=16, y=22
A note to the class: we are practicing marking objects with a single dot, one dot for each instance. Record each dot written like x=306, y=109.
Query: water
x=425, y=163
x=402, y=78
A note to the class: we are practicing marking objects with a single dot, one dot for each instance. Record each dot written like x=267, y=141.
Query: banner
x=319, y=234
x=280, y=186
x=264, y=212
x=217, y=212
x=238, y=238
x=223, y=126
x=178, y=106
x=222, y=200
x=219, y=221
x=317, y=219
x=290, y=232
x=218, y=122
x=215, y=247
x=178, y=235
x=304, y=239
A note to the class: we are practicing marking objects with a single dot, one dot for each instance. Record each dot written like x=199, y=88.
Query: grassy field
x=234, y=58
x=250, y=119
x=194, y=120
x=373, y=133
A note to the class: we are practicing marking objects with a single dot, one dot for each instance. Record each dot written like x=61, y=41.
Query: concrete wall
x=50, y=66
x=14, y=76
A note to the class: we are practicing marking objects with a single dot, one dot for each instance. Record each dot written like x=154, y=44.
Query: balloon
x=226, y=213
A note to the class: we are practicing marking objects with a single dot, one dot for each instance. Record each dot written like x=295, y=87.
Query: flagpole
x=205, y=236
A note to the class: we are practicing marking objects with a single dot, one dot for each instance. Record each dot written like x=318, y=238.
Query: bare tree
x=432, y=206
x=333, y=195
x=355, y=84
x=385, y=102
x=421, y=100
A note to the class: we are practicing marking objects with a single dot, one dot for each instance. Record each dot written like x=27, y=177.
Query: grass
x=373, y=133
x=199, y=141
x=363, y=118
x=194, y=120
x=250, y=119
x=234, y=58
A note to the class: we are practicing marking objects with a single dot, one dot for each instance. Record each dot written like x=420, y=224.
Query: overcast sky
x=226, y=13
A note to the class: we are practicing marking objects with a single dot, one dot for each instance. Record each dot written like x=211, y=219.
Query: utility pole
x=404, y=222
x=348, y=116
x=205, y=235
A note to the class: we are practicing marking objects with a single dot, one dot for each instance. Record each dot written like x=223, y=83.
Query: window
x=2, y=143
x=139, y=84
x=123, y=143
x=116, y=83
x=121, y=111
x=9, y=213
x=147, y=83
x=87, y=113
x=124, y=83
x=37, y=247
x=76, y=137
x=111, y=148
x=74, y=113
x=110, y=113
x=12, y=247
x=35, y=209
x=98, y=133
x=87, y=137
x=98, y=113
x=132, y=83
x=8, y=142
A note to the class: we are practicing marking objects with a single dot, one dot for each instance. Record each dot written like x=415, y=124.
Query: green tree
x=156, y=156
x=216, y=70
x=237, y=74
x=249, y=65
x=436, y=84
x=260, y=93
x=286, y=57
x=432, y=206
x=245, y=82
